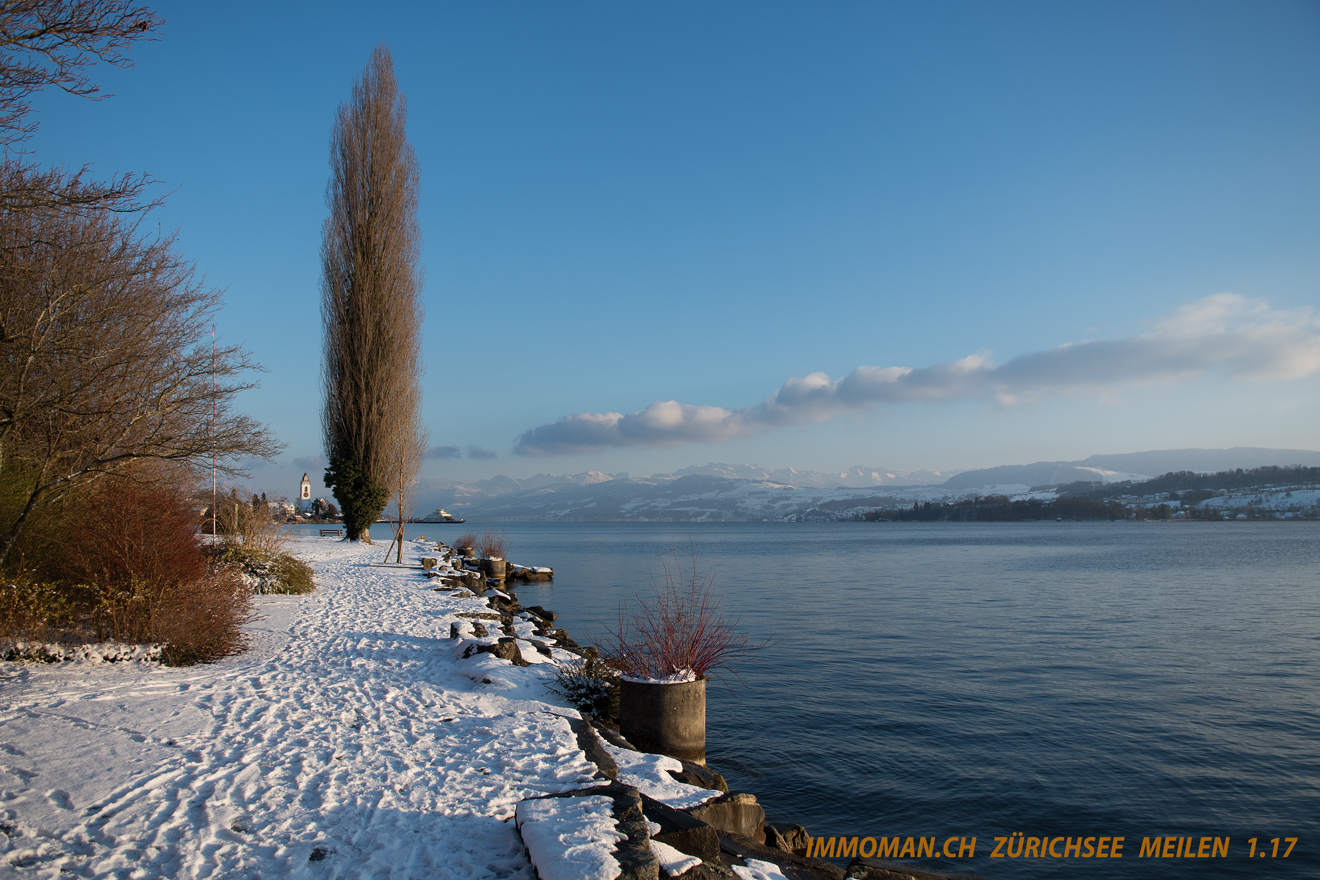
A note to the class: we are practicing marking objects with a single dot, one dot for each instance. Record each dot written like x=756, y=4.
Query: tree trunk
x=12, y=537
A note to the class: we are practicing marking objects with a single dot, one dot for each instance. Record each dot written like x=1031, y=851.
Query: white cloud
x=1228, y=333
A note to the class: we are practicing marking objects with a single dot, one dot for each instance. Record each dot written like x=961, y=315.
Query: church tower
x=305, y=490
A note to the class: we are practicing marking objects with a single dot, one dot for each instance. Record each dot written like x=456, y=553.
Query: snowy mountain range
x=740, y=492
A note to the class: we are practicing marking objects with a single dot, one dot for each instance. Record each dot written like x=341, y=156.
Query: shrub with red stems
x=680, y=629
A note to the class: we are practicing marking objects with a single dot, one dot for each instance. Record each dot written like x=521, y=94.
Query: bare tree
x=371, y=297
x=54, y=43
x=405, y=462
x=104, y=360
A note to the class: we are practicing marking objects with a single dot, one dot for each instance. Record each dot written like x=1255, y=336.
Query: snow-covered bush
x=266, y=573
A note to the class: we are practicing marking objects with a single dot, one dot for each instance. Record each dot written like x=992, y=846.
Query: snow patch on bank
x=101, y=652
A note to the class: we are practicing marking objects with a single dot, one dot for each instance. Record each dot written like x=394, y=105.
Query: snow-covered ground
x=350, y=741
x=1291, y=499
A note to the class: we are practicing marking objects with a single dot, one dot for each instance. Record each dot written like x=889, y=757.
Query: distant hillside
x=1194, y=486
x=856, y=477
x=1131, y=466
x=735, y=493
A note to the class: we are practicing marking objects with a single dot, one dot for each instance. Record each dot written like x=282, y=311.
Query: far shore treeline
x=1144, y=500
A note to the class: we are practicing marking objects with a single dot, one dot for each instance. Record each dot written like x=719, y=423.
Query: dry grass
x=493, y=544
x=238, y=523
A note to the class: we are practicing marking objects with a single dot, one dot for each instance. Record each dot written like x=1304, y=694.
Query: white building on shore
x=304, y=502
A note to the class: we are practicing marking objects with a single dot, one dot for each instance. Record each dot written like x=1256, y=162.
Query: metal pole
x=212, y=432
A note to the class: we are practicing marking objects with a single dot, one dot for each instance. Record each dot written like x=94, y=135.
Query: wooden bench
x=338, y=533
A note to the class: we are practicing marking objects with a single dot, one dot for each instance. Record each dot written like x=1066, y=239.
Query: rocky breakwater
x=473, y=577
x=647, y=816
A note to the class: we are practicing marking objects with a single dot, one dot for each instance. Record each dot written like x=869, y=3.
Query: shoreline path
x=348, y=741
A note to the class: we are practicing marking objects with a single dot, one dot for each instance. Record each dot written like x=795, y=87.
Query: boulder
x=504, y=649
x=789, y=838
x=733, y=813
x=548, y=616
x=614, y=738
x=524, y=575
x=507, y=649
x=566, y=642
x=681, y=831
x=504, y=607
x=590, y=744
x=696, y=774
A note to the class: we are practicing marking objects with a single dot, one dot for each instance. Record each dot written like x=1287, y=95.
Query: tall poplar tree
x=370, y=299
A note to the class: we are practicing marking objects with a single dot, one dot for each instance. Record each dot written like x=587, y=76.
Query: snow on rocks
x=672, y=862
x=758, y=870
x=650, y=774
x=571, y=838
x=101, y=652
x=610, y=839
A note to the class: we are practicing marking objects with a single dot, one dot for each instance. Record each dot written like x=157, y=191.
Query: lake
x=975, y=680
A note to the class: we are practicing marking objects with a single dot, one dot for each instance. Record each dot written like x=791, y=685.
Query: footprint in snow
x=58, y=797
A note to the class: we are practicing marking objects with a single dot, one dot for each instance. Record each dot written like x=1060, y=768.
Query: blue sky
x=757, y=211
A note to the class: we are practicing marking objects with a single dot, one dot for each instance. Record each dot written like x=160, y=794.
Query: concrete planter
x=668, y=719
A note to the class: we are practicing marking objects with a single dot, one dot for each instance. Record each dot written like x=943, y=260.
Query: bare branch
x=53, y=43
